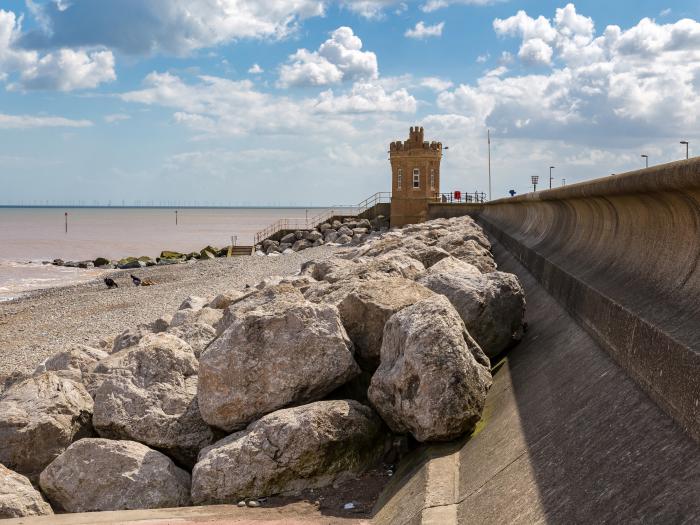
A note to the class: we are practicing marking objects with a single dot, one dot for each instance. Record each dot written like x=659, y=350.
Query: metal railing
x=459, y=197
x=326, y=215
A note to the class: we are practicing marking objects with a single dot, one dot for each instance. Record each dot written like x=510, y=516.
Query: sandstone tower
x=415, y=177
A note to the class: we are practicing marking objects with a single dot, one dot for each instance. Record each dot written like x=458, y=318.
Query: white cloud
x=338, y=59
x=436, y=84
x=642, y=81
x=481, y=59
x=221, y=106
x=66, y=70
x=535, y=52
x=369, y=8
x=421, y=31
x=116, y=117
x=375, y=9
x=366, y=98
x=29, y=121
x=255, y=69
x=434, y=5
x=665, y=12
x=63, y=69
x=169, y=26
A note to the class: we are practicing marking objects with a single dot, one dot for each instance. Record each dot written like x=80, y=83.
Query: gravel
x=44, y=322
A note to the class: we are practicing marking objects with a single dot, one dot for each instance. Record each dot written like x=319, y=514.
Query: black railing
x=460, y=197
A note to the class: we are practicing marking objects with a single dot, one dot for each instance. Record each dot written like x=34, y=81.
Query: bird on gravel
x=136, y=280
x=110, y=283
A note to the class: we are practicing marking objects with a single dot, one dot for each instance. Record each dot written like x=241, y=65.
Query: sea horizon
x=31, y=236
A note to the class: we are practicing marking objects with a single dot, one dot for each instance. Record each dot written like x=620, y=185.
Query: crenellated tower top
x=415, y=142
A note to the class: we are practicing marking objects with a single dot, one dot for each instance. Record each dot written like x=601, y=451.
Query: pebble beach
x=43, y=322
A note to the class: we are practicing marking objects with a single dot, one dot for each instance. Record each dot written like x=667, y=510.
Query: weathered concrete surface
x=292, y=514
x=567, y=437
x=622, y=255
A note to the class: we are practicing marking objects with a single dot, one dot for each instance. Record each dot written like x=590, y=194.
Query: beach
x=31, y=236
x=41, y=323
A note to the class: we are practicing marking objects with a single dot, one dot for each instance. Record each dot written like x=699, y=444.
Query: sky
x=295, y=102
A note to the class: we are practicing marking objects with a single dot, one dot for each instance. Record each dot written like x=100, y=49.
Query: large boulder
x=285, y=350
x=256, y=299
x=149, y=395
x=18, y=498
x=193, y=302
x=100, y=474
x=129, y=337
x=74, y=361
x=368, y=306
x=338, y=269
x=39, y=418
x=433, y=378
x=197, y=335
x=227, y=298
x=210, y=316
x=468, y=250
x=290, y=450
x=491, y=305
x=78, y=363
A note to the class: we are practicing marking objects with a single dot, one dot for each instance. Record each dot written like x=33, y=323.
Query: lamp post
x=488, y=136
x=563, y=182
x=686, y=148
x=550, y=176
x=646, y=158
x=535, y=179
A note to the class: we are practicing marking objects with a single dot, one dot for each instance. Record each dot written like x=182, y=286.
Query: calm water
x=31, y=235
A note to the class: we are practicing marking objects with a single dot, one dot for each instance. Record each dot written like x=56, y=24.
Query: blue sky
x=295, y=101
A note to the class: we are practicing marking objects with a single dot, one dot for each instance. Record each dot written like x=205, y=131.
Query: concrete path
x=292, y=514
x=567, y=438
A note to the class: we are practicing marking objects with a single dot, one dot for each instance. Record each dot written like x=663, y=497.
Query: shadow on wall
x=591, y=446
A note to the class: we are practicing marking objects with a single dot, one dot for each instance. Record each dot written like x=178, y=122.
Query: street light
x=488, y=138
x=686, y=148
x=550, y=176
x=563, y=182
x=646, y=158
x=535, y=179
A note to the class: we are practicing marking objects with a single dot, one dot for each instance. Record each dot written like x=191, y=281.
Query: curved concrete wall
x=622, y=255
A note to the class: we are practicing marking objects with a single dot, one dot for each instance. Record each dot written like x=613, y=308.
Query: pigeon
x=110, y=283
x=136, y=280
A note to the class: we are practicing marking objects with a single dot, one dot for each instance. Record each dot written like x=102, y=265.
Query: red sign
x=458, y=195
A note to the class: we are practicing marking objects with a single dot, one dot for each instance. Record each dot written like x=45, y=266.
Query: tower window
x=399, y=179
x=432, y=179
x=416, y=178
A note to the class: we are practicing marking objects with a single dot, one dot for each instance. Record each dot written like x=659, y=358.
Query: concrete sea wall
x=621, y=254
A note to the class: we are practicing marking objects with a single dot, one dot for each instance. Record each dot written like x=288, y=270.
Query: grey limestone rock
x=149, y=395
x=129, y=337
x=298, y=350
x=18, y=498
x=290, y=238
x=39, y=418
x=492, y=305
x=197, y=335
x=368, y=306
x=193, y=302
x=433, y=378
x=226, y=299
x=100, y=474
x=289, y=450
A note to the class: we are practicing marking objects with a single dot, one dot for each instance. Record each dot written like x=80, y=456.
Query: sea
x=30, y=237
